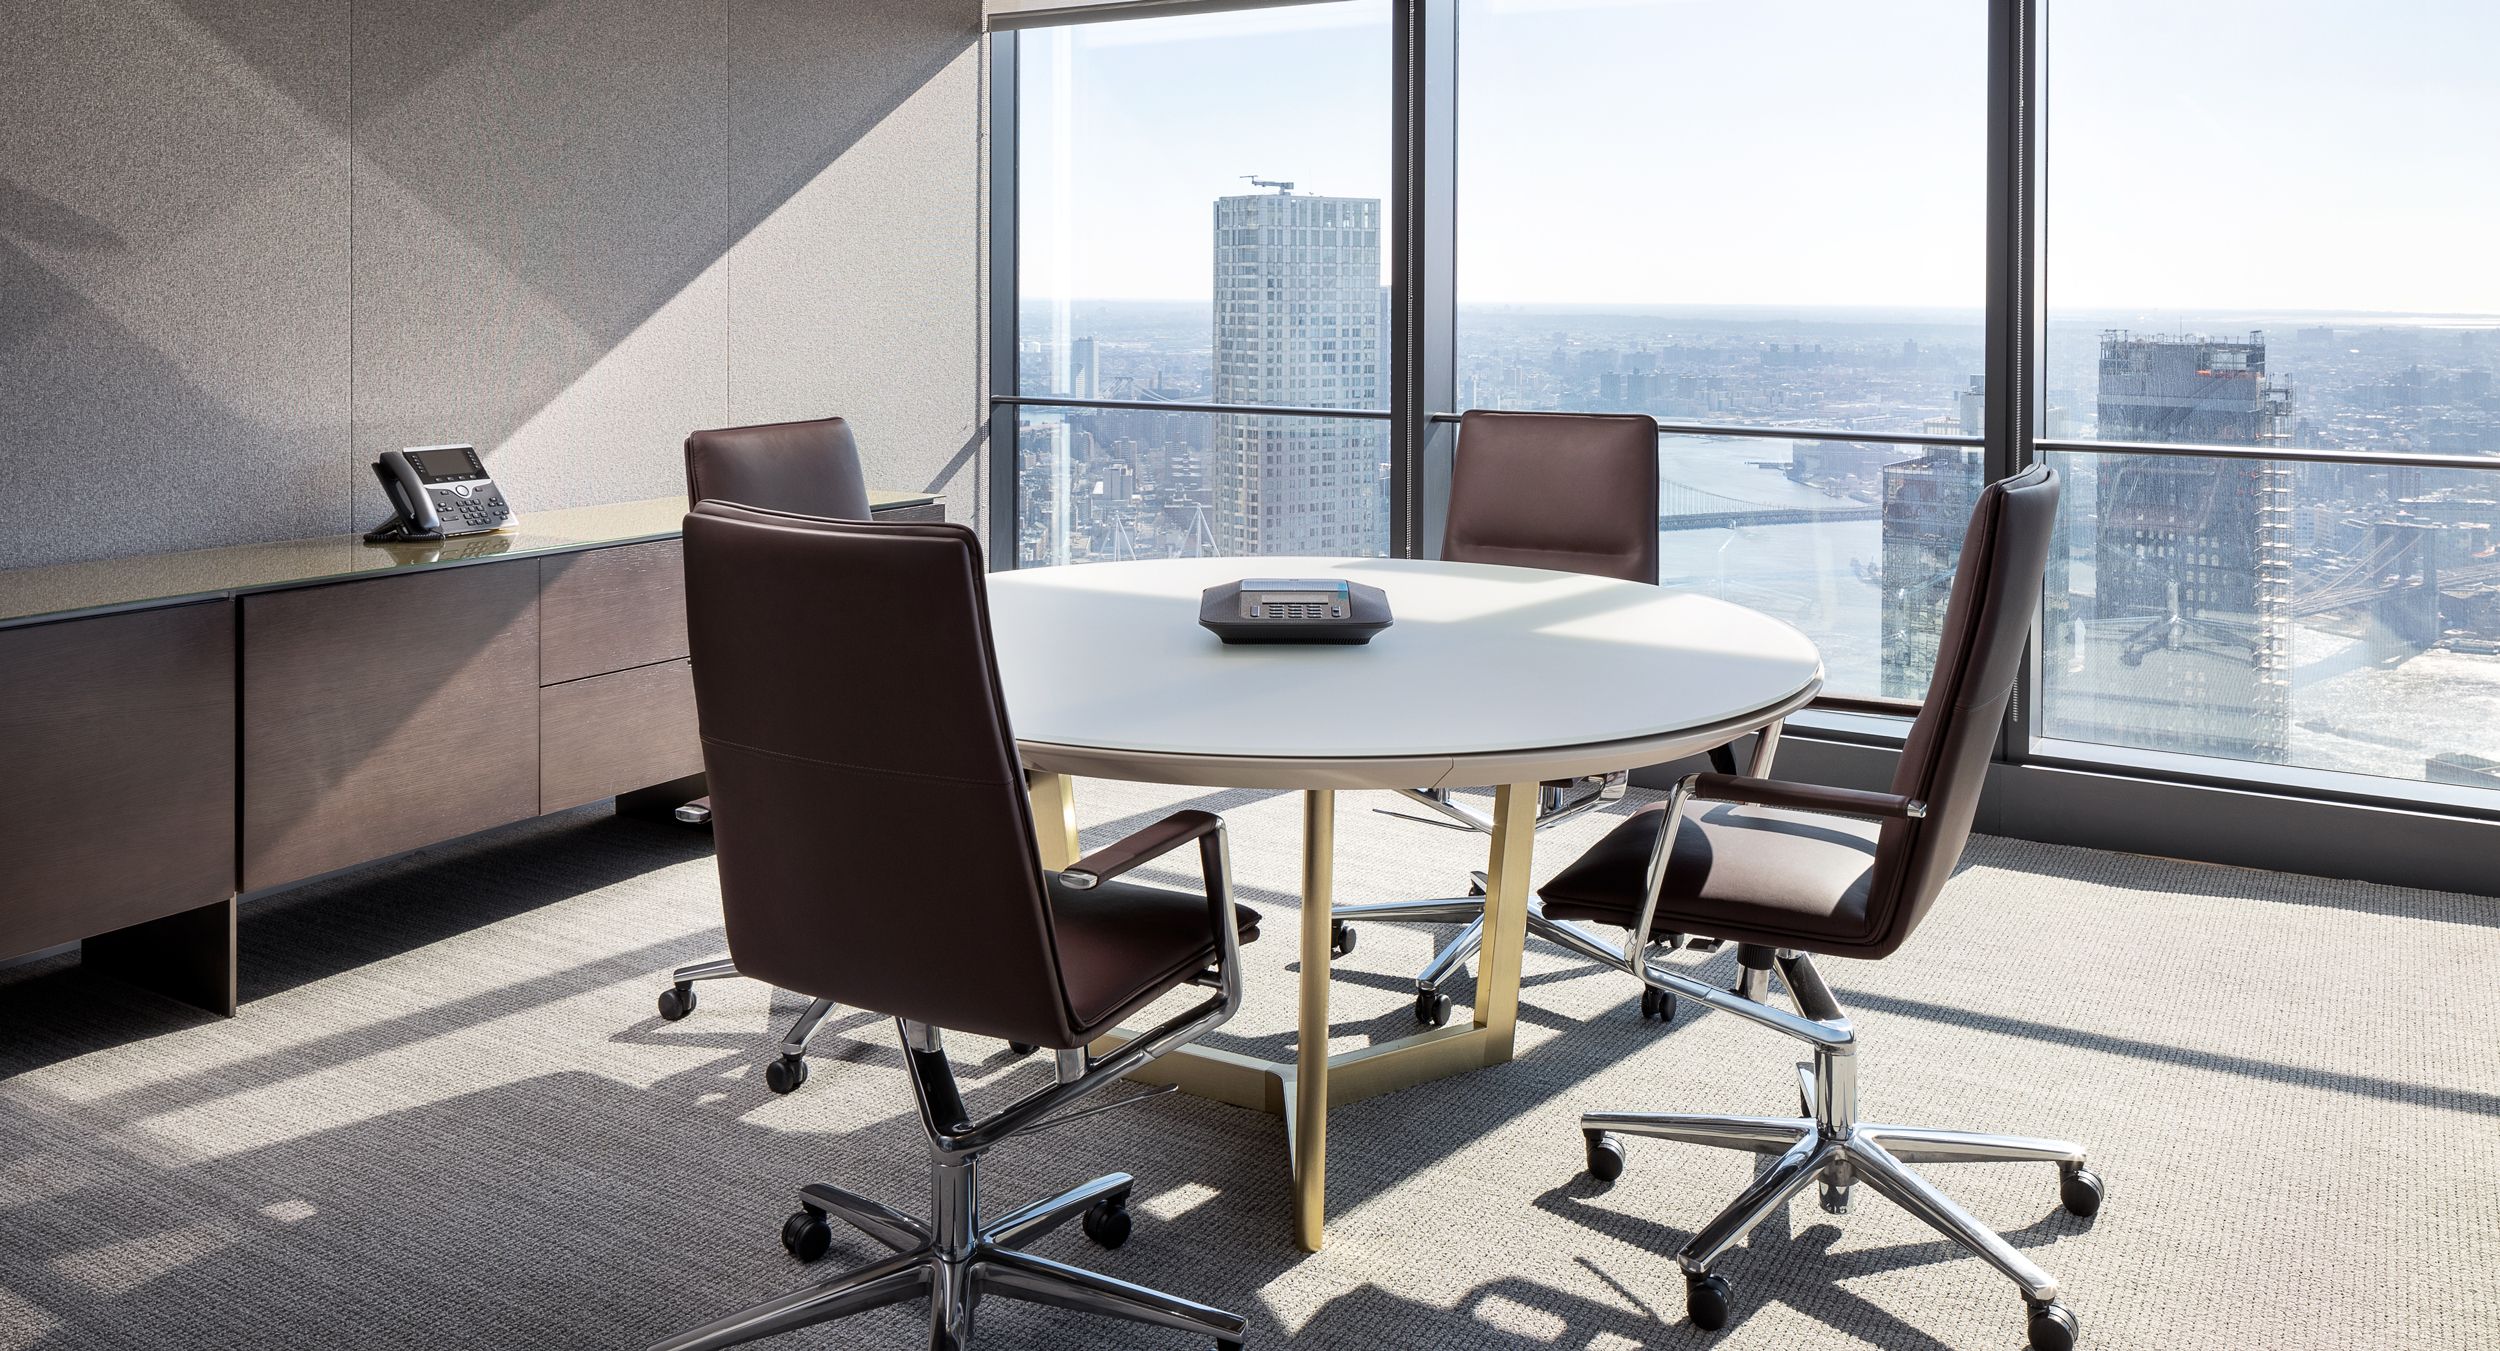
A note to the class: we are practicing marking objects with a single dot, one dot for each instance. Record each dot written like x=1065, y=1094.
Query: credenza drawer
x=612, y=733
x=610, y=610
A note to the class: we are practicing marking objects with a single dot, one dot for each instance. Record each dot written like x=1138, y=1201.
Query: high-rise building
x=1927, y=506
x=1298, y=320
x=1084, y=370
x=2184, y=643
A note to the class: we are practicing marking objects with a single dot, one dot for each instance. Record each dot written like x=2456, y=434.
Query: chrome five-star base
x=1828, y=1143
x=956, y=1258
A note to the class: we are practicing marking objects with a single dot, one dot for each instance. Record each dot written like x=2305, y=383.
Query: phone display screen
x=447, y=464
x=1296, y=598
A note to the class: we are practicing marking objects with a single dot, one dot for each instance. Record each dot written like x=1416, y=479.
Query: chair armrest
x=1805, y=797
x=1139, y=847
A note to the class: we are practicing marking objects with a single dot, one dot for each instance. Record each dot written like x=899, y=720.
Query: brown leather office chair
x=876, y=848
x=1568, y=492
x=810, y=468
x=1788, y=870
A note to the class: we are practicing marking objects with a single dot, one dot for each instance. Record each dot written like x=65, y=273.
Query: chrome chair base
x=1828, y=1145
x=957, y=1263
x=1553, y=806
x=787, y=1071
x=1432, y=1005
x=955, y=1257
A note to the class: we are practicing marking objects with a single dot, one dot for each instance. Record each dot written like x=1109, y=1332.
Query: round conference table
x=1490, y=676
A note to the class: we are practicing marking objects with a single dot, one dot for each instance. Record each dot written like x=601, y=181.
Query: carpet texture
x=448, y=1117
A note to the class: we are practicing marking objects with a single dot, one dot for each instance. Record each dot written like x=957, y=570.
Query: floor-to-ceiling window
x=2269, y=233
x=1763, y=217
x=1200, y=215
x=2233, y=266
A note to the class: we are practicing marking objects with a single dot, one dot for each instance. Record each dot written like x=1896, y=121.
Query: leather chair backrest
x=1573, y=492
x=870, y=818
x=1944, y=761
x=811, y=468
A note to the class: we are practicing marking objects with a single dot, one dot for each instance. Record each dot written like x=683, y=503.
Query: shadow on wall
x=530, y=219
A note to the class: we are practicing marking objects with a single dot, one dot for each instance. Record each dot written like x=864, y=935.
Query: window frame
x=1422, y=384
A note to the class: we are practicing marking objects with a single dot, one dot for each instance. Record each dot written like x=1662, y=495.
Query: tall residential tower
x=1298, y=320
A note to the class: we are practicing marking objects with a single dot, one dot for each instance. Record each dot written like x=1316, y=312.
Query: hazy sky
x=2301, y=154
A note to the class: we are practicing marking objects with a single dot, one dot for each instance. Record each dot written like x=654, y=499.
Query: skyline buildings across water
x=2312, y=638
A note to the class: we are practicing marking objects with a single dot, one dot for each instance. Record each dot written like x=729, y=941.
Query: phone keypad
x=470, y=508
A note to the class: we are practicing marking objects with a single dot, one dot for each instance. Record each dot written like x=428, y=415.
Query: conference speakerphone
x=1294, y=610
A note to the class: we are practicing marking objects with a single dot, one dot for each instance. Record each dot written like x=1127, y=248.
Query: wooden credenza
x=188, y=730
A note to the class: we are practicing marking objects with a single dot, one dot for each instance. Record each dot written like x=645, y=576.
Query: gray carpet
x=448, y=1117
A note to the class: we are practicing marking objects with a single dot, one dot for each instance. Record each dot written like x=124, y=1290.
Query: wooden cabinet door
x=382, y=715
x=119, y=737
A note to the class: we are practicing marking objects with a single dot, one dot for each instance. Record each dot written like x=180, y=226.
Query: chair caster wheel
x=1340, y=938
x=785, y=1074
x=2081, y=1190
x=1658, y=1004
x=806, y=1235
x=1705, y=1301
x=1021, y=1048
x=1432, y=1008
x=2053, y=1328
x=1476, y=884
x=677, y=1001
x=1107, y=1221
x=1605, y=1155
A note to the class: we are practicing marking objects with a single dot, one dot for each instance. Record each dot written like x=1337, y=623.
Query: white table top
x=1512, y=673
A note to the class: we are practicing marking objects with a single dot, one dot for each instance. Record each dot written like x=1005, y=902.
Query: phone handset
x=414, y=515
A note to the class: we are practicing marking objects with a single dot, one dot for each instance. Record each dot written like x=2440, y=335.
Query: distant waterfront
x=2357, y=707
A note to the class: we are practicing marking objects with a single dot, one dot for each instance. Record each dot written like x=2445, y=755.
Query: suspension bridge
x=1682, y=506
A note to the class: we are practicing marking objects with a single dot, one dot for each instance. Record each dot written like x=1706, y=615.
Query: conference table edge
x=1461, y=770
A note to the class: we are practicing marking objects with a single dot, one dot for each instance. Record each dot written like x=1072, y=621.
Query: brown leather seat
x=1567, y=492
x=875, y=845
x=810, y=468
x=1570, y=492
x=875, y=839
x=1122, y=946
x=1775, y=875
x=1789, y=871
x=1832, y=870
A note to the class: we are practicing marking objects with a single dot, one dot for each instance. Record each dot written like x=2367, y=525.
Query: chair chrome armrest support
x=1804, y=797
x=1138, y=847
x=1050, y=1105
x=1636, y=939
x=1822, y=1023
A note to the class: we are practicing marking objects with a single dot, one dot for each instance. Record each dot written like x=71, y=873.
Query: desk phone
x=437, y=492
x=1294, y=610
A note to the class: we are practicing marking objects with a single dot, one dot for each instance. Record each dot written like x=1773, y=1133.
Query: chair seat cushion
x=1122, y=946
x=1747, y=874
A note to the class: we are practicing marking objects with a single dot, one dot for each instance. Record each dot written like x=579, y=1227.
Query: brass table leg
x=1310, y=1095
x=1301, y=1091
x=1505, y=918
x=1054, y=818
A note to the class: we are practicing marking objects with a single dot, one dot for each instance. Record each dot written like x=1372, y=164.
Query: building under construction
x=2184, y=643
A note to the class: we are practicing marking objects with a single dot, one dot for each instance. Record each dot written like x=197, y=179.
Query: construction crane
x=1281, y=186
